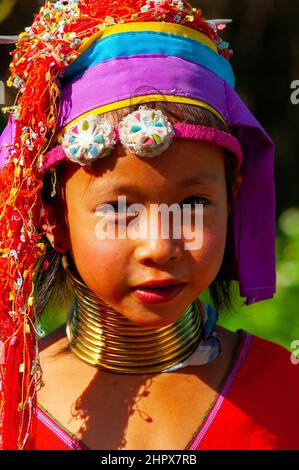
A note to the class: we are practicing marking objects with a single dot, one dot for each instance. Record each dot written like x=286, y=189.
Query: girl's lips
x=158, y=295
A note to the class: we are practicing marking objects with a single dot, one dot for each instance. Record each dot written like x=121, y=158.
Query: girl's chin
x=153, y=317
x=151, y=314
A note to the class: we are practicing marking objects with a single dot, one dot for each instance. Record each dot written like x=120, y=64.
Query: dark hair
x=51, y=287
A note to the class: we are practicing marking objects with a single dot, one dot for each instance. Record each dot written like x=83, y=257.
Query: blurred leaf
x=5, y=8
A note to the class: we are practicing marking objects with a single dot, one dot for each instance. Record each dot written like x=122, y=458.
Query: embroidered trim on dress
x=71, y=441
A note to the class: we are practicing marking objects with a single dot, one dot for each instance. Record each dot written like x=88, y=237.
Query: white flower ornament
x=146, y=132
x=89, y=139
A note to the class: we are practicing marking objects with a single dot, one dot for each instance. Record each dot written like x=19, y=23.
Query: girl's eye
x=112, y=210
x=195, y=200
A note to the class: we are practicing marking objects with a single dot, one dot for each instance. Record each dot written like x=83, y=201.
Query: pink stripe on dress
x=71, y=442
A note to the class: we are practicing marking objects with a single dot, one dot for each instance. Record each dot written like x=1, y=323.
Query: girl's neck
x=103, y=337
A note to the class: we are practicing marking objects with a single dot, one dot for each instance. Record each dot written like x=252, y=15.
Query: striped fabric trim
x=142, y=99
x=70, y=441
x=129, y=44
x=156, y=26
x=223, y=393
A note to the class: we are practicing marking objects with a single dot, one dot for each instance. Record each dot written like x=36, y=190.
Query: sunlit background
x=264, y=36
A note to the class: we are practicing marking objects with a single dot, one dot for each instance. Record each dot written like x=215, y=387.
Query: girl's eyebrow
x=121, y=187
x=105, y=189
x=202, y=178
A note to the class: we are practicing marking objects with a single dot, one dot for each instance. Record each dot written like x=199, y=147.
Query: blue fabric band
x=134, y=43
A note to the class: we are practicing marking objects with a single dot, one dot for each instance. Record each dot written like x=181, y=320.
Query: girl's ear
x=236, y=188
x=51, y=225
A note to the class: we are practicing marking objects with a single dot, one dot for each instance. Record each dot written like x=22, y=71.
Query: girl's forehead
x=184, y=160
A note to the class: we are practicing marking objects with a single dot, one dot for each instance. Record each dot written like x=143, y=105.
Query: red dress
x=257, y=406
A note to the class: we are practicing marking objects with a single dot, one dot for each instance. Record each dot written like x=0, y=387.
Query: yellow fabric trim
x=162, y=27
x=140, y=100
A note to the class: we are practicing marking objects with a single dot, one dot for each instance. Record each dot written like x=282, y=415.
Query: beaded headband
x=145, y=132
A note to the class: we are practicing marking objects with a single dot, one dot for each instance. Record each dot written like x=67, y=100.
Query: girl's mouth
x=157, y=294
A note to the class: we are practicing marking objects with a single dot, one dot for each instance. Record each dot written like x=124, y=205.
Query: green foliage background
x=265, y=37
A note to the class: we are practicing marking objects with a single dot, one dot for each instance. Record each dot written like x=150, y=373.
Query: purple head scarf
x=95, y=81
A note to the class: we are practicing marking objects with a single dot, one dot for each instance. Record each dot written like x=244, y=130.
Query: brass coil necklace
x=102, y=337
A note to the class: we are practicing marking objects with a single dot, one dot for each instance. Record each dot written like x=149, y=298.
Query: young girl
x=123, y=107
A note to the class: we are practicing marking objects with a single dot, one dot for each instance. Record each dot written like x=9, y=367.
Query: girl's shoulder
x=265, y=392
x=265, y=370
x=266, y=360
x=52, y=339
x=257, y=404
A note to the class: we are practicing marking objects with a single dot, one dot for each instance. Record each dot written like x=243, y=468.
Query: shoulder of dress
x=267, y=361
x=269, y=347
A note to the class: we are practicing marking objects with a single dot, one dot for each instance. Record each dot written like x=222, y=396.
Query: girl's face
x=188, y=172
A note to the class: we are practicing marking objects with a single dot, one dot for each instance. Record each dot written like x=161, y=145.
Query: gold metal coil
x=101, y=336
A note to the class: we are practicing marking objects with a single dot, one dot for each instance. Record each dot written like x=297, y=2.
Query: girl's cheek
x=101, y=263
x=207, y=260
x=102, y=253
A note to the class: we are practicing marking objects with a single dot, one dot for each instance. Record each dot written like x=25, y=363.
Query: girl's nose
x=159, y=245
x=159, y=251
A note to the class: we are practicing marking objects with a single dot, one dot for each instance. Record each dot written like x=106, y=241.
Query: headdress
x=136, y=52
